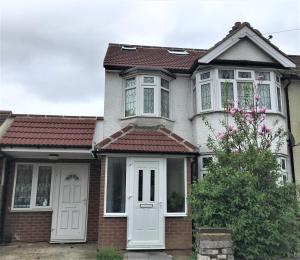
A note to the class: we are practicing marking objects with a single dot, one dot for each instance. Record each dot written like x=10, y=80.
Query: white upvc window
x=205, y=90
x=283, y=178
x=32, y=186
x=115, y=187
x=245, y=75
x=130, y=97
x=176, y=180
x=147, y=95
x=165, y=98
x=204, y=164
x=279, y=99
x=194, y=95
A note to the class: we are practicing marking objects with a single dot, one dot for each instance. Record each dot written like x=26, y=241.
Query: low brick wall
x=214, y=243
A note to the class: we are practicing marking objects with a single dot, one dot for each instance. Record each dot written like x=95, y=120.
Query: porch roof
x=49, y=131
x=145, y=140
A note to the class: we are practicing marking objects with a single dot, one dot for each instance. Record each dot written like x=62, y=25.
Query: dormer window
x=147, y=95
x=128, y=48
x=178, y=51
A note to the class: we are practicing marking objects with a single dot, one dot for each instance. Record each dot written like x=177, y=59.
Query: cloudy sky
x=52, y=50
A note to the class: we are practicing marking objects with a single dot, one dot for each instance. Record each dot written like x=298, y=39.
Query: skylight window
x=128, y=48
x=178, y=51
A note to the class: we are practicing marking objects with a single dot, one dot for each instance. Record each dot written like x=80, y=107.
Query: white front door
x=70, y=209
x=145, y=213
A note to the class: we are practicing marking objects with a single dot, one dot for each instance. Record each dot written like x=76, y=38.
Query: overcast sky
x=52, y=51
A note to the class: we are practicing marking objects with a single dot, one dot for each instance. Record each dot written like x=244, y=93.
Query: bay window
x=227, y=93
x=194, y=96
x=265, y=95
x=147, y=96
x=32, y=186
x=245, y=94
x=176, y=187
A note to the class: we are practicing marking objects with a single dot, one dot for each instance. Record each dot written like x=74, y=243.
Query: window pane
x=165, y=83
x=23, y=186
x=226, y=93
x=140, y=195
x=279, y=98
x=262, y=75
x=245, y=94
x=194, y=101
x=165, y=105
x=116, y=185
x=206, y=161
x=149, y=100
x=226, y=74
x=205, y=75
x=152, y=185
x=175, y=185
x=130, y=83
x=283, y=164
x=244, y=74
x=149, y=80
x=130, y=102
x=264, y=92
x=43, y=186
x=205, y=96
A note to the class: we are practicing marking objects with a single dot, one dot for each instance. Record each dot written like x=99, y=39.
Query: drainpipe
x=290, y=145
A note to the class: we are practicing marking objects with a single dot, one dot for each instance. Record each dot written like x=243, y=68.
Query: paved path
x=147, y=256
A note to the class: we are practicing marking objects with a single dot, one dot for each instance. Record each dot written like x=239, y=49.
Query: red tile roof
x=159, y=57
x=150, y=56
x=148, y=140
x=50, y=131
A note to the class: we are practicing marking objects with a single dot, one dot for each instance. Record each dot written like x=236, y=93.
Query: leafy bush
x=241, y=190
x=109, y=253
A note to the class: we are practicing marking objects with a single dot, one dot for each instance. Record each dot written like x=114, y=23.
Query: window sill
x=31, y=210
x=145, y=116
x=270, y=112
x=116, y=215
x=174, y=215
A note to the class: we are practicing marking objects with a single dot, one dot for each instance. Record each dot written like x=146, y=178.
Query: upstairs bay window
x=147, y=96
x=205, y=91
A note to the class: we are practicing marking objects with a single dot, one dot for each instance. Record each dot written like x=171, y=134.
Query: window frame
x=168, y=90
x=202, y=83
x=35, y=174
x=278, y=90
x=244, y=79
x=283, y=172
x=136, y=96
x=176, y=214
x=110, y=214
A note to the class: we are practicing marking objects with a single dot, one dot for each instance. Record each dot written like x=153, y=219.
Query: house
x=123, y=180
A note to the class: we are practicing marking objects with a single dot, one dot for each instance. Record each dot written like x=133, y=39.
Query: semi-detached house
x=123, y=180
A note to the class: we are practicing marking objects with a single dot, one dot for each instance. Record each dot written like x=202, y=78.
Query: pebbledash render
x=123, y=179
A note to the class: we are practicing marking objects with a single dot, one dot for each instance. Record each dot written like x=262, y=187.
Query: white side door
x=70, y=211
x=146, y=219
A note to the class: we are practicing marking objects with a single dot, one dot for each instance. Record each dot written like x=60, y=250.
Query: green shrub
x=241, y=189
x=109, y=254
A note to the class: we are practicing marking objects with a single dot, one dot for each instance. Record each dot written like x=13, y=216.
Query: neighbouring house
x=123, y=180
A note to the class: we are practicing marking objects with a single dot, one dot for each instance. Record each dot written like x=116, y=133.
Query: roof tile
x=50, y=132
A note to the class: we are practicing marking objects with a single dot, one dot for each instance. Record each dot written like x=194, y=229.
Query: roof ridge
x=156, y=46
x=56, y=116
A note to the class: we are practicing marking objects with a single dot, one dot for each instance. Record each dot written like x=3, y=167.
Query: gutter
x=290, y=146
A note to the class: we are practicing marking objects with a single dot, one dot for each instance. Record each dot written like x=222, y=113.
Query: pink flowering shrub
x=241, y=191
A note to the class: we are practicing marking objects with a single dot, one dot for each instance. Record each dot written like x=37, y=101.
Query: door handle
x=129, y=196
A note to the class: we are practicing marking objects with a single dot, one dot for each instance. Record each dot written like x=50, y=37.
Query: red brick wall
x=179, y=230
x=36, y=226
x=112, y=231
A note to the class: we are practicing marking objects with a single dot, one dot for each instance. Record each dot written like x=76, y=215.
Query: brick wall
x=112, y=231
x=36, y=226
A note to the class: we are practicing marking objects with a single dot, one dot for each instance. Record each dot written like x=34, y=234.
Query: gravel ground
x=28, y=251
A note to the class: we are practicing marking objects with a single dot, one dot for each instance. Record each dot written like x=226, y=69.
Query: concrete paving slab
x=147, y=256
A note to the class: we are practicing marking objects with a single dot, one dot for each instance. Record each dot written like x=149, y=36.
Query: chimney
x=4, y=114
x=236, y=26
